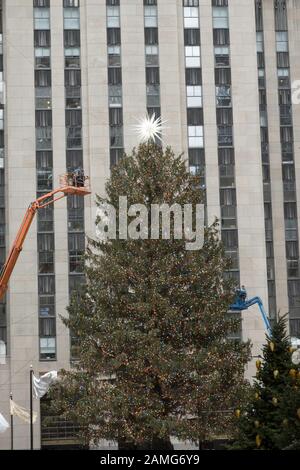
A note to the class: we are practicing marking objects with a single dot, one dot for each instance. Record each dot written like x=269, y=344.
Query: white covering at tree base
x=3, y=424
x=296, y=357
x=42, y=385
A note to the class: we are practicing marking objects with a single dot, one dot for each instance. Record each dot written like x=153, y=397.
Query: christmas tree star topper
x=149, y=128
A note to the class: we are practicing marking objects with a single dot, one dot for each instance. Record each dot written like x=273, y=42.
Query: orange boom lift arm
x=69, y=185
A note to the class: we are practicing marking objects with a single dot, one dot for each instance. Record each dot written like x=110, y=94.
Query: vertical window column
x=44, y=170
x=3, y=322
x=224, y=112
x=288, y=164
x=115, y=102
x=264, y=132
x=193, y=79
x=152, y=58
x=74, y=151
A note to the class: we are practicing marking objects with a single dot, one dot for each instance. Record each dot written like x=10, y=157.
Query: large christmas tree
x=271, y=419
x=155, y=360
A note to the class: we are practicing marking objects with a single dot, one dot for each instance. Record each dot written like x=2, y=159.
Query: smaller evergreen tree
x=271, y=419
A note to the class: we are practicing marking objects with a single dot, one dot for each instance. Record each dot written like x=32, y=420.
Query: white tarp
x=3, y=424
x=296, y=357
x=22, y=413
x=41, y=385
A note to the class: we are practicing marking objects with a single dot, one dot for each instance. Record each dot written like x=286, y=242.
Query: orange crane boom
x=68, y=187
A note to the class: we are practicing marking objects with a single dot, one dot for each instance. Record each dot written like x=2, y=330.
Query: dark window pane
x=151, y=36
x=42, y=78
x=283, y=60
x=258, y=15
x=190, y=3
x=280, y=15
x=152, y=76
x=72, y=78
x=73, y=118
x=221, y=37
x=72, y=38
x=113, y=36
x=42, y=38
x=43, y=118
x=41, y=3
x=115, y=116
x=195, y=117
x=191, y=37
x=115, y=156
x=222, y=76
x=114, y=76
x=47, y=327
x=193, y=76
x=224, y=116
x=74, y=160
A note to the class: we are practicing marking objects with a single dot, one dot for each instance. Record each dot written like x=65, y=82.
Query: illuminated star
x=149, y=128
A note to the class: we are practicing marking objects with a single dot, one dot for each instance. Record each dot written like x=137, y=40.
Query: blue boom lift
x=242, y=303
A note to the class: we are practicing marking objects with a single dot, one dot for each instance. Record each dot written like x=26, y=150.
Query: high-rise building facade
x=74, y=77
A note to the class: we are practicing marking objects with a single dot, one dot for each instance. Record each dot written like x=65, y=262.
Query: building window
x=195, y=136
x=42, y=58
x=191, y=17
x=282, y=41
x=194, y=96
x=153, y=95
x=116, y=136
x=152, y=76
x=114, y=56
x=222, y=56
x=283, y=78
x=71, y=18
x=191, y=37
x=115, y=96
x=41, y=3
x=220, y=18
x=72, y=57
x=225, y=135
x=113, y=16
x=42, y=78
x=221, y=37
x=151, y=36
x=71, y=3
x=47, y=349
x=222, y=76
x=230, y=239
x=72, y=78
x=195, y=116
x=280, y=15
x=114, y=76
x=283, y=60
x=41, y=18
x=72, y=38
x=74, y=137
x=259, y=41
x=150, y=13
x=193, y=76
x=224, y=117
x=223, y=96
x=190, y=3
x=192, y=56
x=151, y=56
x=43, y=138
